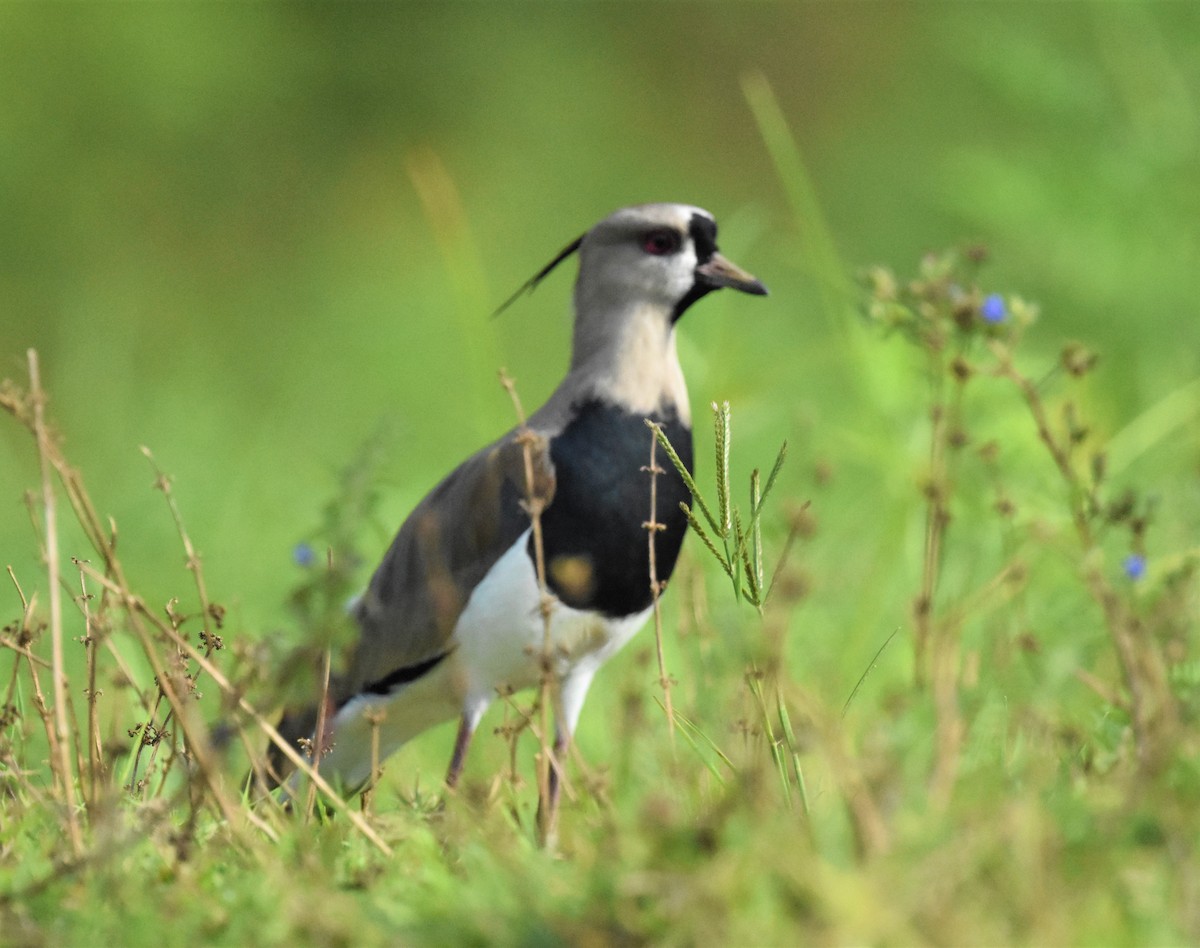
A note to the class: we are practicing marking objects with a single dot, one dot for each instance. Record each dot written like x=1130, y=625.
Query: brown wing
x=443, y=550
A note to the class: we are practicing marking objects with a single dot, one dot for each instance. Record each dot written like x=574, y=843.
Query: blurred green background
x=251, y=237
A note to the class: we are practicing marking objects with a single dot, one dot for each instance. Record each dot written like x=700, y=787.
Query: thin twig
x=62, y=731
x=653, y=528
x=113, y=579
x=207, y=612
x=318, y=746
x=138, y=608
x=786, y=552
x=867, y=670
x=90, y=522
x=1153, y=708
x=374, y=717
x=95, y=751
x=21, y=650
x=935, y=520
x=1060, y=456
x=26, y=618
x=39, y=697
x=534, y=505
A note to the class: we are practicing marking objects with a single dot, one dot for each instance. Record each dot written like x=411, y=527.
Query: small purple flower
x=993, y=309
x=303, y=555
x=1134, y=566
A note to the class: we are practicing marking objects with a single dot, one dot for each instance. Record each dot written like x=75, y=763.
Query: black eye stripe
x=703, y=231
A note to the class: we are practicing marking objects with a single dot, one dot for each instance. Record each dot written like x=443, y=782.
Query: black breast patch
x=594, y=540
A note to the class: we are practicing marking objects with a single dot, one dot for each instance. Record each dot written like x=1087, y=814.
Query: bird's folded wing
x=442, y=552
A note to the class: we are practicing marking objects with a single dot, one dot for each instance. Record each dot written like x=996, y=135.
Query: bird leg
x=466, y=729
x=547, y=818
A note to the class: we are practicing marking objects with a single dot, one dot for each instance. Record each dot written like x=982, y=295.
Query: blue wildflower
x=993, y=309
x=303, y=554
x=1134, y=566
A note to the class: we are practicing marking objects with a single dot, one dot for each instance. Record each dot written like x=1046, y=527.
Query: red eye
x=661, y=242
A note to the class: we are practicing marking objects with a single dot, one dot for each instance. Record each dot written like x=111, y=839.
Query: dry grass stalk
x=870, y=827
x=318, y=744
x=95, y=748
x=1153, y=707
x=335, y=800
x=205, y=782
x=60, y=748
x=534, y=505
x=653, y=528
x=375, y=718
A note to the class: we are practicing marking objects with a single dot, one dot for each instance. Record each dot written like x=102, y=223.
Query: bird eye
x=661, y=242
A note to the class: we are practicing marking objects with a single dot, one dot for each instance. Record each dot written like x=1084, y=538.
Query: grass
x=1030, y=777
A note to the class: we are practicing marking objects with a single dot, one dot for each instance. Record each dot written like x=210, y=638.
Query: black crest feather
x=531, y=284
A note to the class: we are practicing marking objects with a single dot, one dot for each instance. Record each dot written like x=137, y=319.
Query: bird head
x=639, y=270
x=661, y=255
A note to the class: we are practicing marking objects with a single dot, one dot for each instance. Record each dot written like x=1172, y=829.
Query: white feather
x=498, y=640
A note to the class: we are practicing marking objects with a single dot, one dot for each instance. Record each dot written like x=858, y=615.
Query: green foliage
x=741, y=554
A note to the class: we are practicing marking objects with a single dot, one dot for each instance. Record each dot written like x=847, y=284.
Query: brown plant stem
x=1152, y=704
x=136, y=607
x=95, y=750
x=318, y=746
x=60, y=749
x=534, y=505
x=653, y=528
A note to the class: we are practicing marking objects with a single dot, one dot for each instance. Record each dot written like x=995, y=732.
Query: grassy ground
x=1016, y=763
x=965, y=713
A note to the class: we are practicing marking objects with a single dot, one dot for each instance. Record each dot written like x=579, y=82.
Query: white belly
x=501, y=633
x=498, y=644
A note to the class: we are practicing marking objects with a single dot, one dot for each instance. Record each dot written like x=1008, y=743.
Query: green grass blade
x=776, y=755
x=1160, y=421
x=775, y=469
x=704, y=537
x=688, y=481
x=785, y=722
x=737, y=559
x=692, y=734
x=756, y=549
x=817, y=238
x=867, y=670
x=722, y=419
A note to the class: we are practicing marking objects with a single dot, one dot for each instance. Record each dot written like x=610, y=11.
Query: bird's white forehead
x=655, y=215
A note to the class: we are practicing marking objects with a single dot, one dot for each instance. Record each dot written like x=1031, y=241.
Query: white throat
x=632, y=361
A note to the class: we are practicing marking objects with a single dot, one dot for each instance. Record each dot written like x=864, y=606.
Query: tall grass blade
x=693, y=735
x=816, y=237
x=775, y=469
x=698, y=527
x=1160, y=421
x=789, y=735
x=738, y=558
x=688, y=480
x=722, y=418
x=756, y=550
x=755, y=684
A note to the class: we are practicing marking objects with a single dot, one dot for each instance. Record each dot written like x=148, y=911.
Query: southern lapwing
x=453, y=614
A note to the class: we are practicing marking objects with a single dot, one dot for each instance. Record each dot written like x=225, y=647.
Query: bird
x=453, y=615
